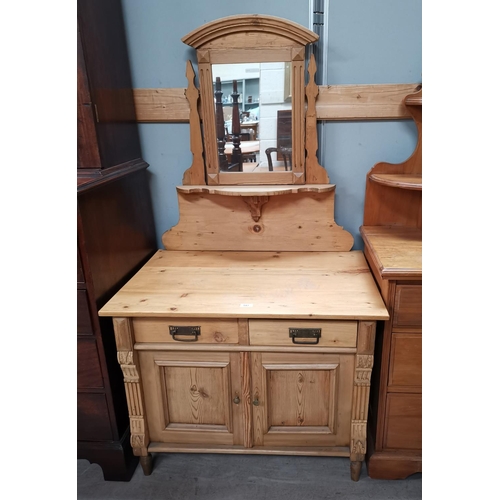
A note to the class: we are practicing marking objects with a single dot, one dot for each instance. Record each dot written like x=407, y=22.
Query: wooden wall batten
x=334, y=102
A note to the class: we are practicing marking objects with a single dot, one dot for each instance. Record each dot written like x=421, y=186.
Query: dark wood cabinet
x=115, y=229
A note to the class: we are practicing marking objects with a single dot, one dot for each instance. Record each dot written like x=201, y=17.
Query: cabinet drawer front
x=211, y=331
x=88, y=366
x=403, y=422
x=93, y=418
x=83, y=321
x=277, y=332
x=405, y=368
x=80, y=278
x=408, y=305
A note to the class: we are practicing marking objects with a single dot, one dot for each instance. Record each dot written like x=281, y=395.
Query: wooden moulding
x=293, y=221
x=334, y=103
x=257, y=190
x=234, y=31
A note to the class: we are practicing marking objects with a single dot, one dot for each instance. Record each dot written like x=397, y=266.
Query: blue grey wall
x=368, y=42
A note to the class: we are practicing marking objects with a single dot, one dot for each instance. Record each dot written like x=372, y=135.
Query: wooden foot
x=146, y=464
x=355, y=470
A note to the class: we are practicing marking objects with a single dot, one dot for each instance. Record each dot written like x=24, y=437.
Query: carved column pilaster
x=361, y=390
x=127, y=358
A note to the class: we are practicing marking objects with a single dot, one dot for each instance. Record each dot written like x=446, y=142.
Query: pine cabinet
x=201, y=376
x=253, y=330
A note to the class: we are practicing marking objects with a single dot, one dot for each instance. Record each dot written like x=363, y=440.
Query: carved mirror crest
x=251, y=74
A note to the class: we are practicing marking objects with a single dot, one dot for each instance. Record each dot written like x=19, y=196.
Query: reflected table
x=245, y=146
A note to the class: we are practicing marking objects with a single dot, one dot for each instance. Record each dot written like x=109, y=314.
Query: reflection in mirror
x=253, y=113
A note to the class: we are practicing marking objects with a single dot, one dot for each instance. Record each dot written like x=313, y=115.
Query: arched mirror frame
x=251, y=39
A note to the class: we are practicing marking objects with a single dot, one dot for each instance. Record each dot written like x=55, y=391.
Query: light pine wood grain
x=315, y=173
x=317, y=451
x=276, y=332
x=249, y=32
x=160, y=346
x=190, y=396
x=195, y=174
x=212, y=331
x=330, y=285
x=303, y=399
x=334, y=103
x=129, y=364
x=288, y=222
x=363, y=102
x=257, y=190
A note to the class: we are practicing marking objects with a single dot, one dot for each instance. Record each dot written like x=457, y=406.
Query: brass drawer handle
x=236, y=400
x=185, y=331
x=255, y=402
x=305, y=333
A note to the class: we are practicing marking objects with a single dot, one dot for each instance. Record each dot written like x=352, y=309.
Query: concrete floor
x=244, y=477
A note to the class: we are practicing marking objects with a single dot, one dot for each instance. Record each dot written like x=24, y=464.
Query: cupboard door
x=302, y=399
x=193, y=398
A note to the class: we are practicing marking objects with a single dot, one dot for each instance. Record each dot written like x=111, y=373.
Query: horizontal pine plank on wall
x=335, y=102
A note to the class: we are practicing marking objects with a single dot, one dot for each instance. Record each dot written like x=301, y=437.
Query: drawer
x=80, y=278
x=93, y=418
x=277, y=332
x=88, y=367
x=83, y=321
x=403, y=422
x=408, y=306
x=211, y=331
x=405, y=368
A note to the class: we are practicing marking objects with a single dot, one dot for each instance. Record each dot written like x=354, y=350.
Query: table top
x=396, y=251
x=245, y=146
x=299, y=285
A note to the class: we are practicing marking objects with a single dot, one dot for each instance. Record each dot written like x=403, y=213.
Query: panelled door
x=193, y=397
x=301, y=399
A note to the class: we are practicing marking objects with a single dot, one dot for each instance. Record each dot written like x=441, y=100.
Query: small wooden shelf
x=257, y=190
x=402, y=181
x=414, y=99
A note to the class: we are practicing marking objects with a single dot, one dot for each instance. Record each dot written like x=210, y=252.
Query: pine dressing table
x=253, y=330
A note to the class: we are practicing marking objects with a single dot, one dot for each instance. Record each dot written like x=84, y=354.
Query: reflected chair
x=286, y=154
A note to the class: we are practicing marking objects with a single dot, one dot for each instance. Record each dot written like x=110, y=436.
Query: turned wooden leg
x=355, y=470
x=147, y=464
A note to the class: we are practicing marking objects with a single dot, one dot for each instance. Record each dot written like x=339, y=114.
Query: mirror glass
x=253, y=113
